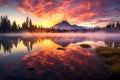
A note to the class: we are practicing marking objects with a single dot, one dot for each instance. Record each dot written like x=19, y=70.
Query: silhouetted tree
x=14, y=27
x=30, y=23
x=108, y=26
x=18, y=27
x=27, y=22
x=117, y=25
x=5, y=24
x=113, y=25
x=24, y=26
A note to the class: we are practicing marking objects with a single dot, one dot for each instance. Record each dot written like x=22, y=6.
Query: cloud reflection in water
x=74, y=63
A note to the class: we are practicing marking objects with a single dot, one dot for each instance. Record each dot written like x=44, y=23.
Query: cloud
x=1, y=1
x=75, y=11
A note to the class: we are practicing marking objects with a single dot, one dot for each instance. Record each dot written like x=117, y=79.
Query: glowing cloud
x=87, y=12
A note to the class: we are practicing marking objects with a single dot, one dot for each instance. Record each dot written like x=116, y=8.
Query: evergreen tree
x=14, y=27
x=18, y=26
x=117, y=25
x=113, y=25
x=30, y=23
x=27, y=22
x=24, y=26
x=5, y=24
x=108, y=26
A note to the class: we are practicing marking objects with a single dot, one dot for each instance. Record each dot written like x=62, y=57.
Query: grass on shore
x=111, y=60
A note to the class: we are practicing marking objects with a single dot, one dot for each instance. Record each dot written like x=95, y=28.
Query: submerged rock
x=60, y=48
x=31, y=69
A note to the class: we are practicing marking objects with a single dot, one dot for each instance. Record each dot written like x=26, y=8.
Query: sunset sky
x=49, y=12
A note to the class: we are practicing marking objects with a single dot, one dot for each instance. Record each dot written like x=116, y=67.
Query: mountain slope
x=64, y=25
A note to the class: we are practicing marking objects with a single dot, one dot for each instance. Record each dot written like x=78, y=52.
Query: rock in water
x=60, y=48
x=31, y=69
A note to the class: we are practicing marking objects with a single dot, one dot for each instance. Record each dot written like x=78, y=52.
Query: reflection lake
x=37, y=57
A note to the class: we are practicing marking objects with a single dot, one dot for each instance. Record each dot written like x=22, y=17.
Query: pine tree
x=27, y=21
x=113, y=25
x=118, y=25
x=30, y=23
x=24, y=26
x=14, y=27
x=5, y=24
x=108, y=26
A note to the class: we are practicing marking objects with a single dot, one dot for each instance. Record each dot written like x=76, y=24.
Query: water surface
x=36, y=57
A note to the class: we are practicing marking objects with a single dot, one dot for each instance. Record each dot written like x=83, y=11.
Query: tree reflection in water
x=8, y=43
x=47, y=62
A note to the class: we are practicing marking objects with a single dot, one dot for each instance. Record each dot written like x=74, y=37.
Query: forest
x=27, y=26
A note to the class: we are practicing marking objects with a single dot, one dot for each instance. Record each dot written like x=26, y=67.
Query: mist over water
x=22, y=40
x=99, y=35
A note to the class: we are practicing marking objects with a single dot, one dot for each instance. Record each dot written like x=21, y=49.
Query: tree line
x=27, y=26
x=112, y=27
x=6, y=26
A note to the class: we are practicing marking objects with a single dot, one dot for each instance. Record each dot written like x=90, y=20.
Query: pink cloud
x=75, y=11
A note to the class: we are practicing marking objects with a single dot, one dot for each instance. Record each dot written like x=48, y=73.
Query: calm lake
x=37, y=57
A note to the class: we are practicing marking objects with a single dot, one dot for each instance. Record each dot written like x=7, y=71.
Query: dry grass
x=111, y=59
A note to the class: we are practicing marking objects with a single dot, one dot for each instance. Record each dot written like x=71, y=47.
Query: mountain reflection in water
x=37, y=58
x=8, y=43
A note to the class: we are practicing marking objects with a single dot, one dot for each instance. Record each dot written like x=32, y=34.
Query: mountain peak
x=65, y=22
x=65, y=25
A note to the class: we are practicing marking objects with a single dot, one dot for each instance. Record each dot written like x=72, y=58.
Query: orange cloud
x=54, y=11
x=1, y=1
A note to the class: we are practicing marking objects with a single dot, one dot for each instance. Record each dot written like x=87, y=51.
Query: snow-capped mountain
x=64, y=25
